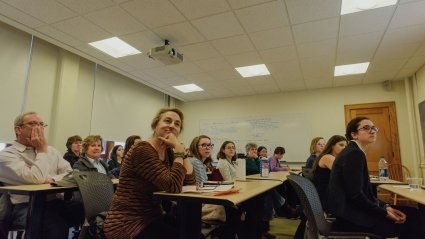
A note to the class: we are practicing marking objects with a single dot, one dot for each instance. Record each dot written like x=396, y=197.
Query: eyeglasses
x=369, y=128
x=204, y=146
x=33, y=124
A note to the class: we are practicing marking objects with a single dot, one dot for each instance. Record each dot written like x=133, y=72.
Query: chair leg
x=395, y=199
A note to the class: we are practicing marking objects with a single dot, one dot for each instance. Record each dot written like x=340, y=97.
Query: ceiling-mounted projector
x=166, y=54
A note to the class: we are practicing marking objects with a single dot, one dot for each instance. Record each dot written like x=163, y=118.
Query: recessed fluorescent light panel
x=188, y=88
x=351, y=6
x=353, y=69
x=115, y=47
x=254, y=70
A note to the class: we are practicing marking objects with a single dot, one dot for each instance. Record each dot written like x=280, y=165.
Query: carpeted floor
x=283, y=228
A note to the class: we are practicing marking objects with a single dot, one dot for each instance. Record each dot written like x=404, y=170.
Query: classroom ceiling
x=300, y=41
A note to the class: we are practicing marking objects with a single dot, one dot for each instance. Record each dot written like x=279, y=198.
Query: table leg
x=254, y=207
x=35, y=215
x=189, y=214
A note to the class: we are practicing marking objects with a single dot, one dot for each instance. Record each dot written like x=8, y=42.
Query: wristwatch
x=179, y=155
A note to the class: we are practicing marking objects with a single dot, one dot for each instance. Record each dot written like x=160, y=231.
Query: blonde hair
x=89, y=140
x=158, y=115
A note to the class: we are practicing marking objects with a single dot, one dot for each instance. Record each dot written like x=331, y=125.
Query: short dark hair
x=353, y=125
x=260, y=148
x=279, y=150
x=72, y=140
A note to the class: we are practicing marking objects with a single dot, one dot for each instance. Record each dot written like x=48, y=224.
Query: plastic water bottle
x=264, y=164
x=383, y=169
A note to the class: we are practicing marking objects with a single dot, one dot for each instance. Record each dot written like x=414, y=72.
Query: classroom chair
x=317, y=225
x=400, y=173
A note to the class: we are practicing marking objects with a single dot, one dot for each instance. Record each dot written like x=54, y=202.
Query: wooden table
x=376, y=182
x=403, y=190
x=37, y=194
x=277, y=176
x=190, y=204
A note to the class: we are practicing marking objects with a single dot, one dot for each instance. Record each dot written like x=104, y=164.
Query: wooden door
x=384, y=117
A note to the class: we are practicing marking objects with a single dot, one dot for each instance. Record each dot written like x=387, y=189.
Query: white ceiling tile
x=421, y=50
x=301, y=11
x=222, y=74
x=410, y=34
x=396, y=51
x=379, y=76
x=201, y=77
x=86, y=48
x=143, y=41
x=222, y=93
x=48, y=11
x=348, y=80
x=233, y=45
x=357, y=48
x=185, y=68
x=245, y=3
x=291, y=85
x=285, y=70
x=409, y=14
x=272, y=38
x=120, y=65
x=267, y=88
x=160, y=72
x=153, y=13
x=141, y=61
x=318, y=67
x=262, y=17
x=199, y=51
x=375, y=20
x=244, y=59
x=84, y=6
x=224, y=25
x=415, y=62
x=319, y=48
x=58, y=35
x=278, y=54
x=318, y=83
x=10, y=12
x=387, y=64
x=260, y=80
x=179, y=34
x=192, y=9
x=316, y=31
x=405, y=72
x=213, y=64
x=82, y=30
x=115, y=20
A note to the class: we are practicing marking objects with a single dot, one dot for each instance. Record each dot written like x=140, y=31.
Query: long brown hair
x=328, y=148
x=194, y=150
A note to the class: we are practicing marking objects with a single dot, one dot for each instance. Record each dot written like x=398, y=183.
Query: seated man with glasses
x=29, y=160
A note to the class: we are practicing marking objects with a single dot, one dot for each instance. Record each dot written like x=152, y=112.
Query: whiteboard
x=291, y=131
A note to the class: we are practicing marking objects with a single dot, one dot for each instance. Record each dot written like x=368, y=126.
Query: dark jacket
x=84, y=164
x=350, y=195
x=71, y=157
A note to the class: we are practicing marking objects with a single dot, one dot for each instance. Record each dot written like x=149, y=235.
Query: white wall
x=71, y=94
x=418, y=83
x=325, y=105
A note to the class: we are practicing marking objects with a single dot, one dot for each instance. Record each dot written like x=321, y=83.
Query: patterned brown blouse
x=142, y=173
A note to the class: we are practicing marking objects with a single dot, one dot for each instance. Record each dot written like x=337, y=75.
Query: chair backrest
x=310, y=202
x=398, y=172
x=96, y=191
x=307, y=172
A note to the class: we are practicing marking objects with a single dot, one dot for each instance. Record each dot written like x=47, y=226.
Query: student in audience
x=323, y=164
x=274, y=160
x=226, y=161
x=31, y=161
x=114, y=164
x=130, y=141
x=73, y=144
x=157, y=164
x=350, y=196
x=316, y=147
x=262, y=152
x=200, y=149
x=90, y=159
x=272, y=199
